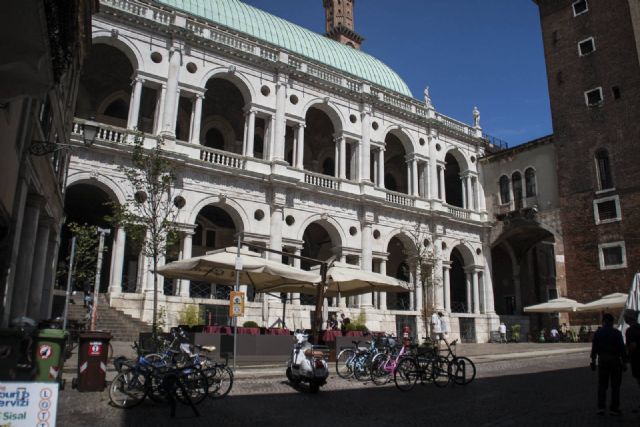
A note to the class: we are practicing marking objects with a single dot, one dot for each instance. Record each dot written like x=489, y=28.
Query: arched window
x=505, y=196
x=530, y=182
x=604, y=169
x=516, y=181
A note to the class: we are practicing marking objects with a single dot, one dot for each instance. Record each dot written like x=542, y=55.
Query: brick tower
x=340, y=22
x=592, y=50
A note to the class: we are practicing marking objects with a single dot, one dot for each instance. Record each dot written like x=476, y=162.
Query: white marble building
x=302, y=143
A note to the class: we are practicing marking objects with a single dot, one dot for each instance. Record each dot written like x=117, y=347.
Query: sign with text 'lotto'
x=28, y=404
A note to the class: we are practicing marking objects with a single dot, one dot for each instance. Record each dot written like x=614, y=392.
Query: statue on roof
x=476, y=117
x=427, y=98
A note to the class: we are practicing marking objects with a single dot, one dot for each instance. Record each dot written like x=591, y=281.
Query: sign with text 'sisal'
x=28, y=404
x=236, y=304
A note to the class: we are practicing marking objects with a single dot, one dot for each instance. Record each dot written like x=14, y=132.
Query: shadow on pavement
x=562, y=397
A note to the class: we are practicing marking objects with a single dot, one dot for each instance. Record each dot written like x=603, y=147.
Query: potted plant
x=515, y=333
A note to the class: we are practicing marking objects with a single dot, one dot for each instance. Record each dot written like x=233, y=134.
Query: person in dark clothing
x=608, y=349
x=633, y=343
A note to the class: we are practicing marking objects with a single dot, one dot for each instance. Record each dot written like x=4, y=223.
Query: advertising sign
x=236, y=304
x=28, y=404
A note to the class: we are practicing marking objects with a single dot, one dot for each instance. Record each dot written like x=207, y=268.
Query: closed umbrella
x=557, y=305
x=607, y=302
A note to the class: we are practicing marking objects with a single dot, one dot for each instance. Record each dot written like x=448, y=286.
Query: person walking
x=609, y=351
x=503, y=332
x=633, y=344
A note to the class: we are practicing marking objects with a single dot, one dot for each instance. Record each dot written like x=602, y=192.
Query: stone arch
x=467, y=252
x=330, y=109
x=234, y=209
x=123, y=44
x=462, y=160
x=222, y=125
x=103, y=182
x=241, y=82
x=119, y=95
x=400, y=133
x=404, y=237
x=330, y=224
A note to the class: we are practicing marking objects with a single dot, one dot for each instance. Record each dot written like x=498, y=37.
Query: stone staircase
x=122, y=326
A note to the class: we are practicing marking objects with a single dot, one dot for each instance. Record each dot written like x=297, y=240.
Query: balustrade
x=222, y=158
x=321, y=181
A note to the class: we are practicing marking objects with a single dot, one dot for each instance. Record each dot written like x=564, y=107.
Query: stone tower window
x=603, y=166
x=504, y=190
x=580, y=7
x=586, y=46
x=530, y=182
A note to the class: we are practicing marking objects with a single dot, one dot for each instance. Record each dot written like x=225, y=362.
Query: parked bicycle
x=424, y=364
x=356, y=361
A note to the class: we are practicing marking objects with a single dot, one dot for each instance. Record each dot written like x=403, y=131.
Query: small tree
x=426, y=256
x=149, y=215
x=86, y=254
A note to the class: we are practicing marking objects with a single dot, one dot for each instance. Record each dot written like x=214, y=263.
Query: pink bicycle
x=383, y=365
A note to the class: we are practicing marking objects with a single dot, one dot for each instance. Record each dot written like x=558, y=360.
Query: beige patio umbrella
x=264, y=275
x=349, y=280
x=607, y=302
x=557, y=305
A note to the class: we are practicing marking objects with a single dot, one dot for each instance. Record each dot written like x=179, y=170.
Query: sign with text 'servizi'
x=236, y=304
x=28, y=404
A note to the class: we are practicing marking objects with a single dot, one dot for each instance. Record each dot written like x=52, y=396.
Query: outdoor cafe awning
x=557, y=305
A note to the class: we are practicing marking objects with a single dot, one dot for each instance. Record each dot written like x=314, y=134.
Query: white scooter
x=307, y=363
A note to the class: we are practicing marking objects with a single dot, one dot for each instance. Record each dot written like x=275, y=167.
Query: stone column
x=426, y=180
x=382, y=296
x=446, y=268
x=409, y=177
x=476, y=292
x=463, y=182
x=443, y=193
x=474, y=193
x=438, y=291
x=343, y=157
x=365, y=146
x=117, y=261
x=412, y=294
x=299, y=160
x=366, y=301
x=486, y=279
x=434, y=171
x=336, y=158
x=271, y=150
x=468, y=288
x=197, y=119
x=250, y=133
x=186, y=250
x=38, y=268
x=297, y=264
x=280, y=125
x=134, y=104
x=159, y=118
x=169, y=115
x=517, y=288
x=381, y=167
x=24, y=266
x=414, y=177
x=275, y=232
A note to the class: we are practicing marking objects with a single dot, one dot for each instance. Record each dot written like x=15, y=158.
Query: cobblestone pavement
x=544, y=390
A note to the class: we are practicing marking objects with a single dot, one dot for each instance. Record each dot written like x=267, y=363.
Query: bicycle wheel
x=220, y=382
x=441, y=371
x=379, y=375
x=345, y=362
x=194, y=383
x=406, y=374
x=128, y=389
x=463, y=370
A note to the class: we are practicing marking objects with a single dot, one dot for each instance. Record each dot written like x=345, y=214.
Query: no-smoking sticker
x=95, y=348
x=45, y=351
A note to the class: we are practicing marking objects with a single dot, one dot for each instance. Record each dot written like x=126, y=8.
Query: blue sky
x=469, y=52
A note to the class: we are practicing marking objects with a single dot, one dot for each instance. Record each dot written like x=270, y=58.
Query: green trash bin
x=50, y=345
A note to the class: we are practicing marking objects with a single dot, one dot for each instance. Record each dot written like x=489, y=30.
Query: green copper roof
x=262, y=25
